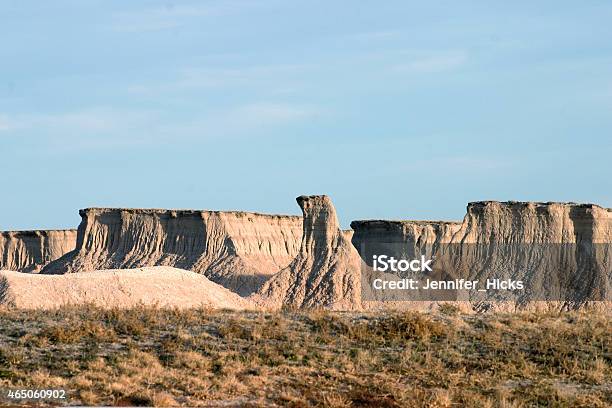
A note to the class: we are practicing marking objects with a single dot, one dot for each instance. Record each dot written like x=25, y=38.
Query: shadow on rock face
x=326, y=271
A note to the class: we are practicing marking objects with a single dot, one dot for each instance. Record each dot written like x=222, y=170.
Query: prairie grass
x=160, y=357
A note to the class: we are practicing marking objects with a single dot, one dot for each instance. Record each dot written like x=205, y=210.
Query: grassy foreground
x=148, y=356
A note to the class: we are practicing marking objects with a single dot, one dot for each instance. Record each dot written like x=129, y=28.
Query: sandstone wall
x=238, y=250
x=494, y=221
x=561, y=250
x=372, y=237
x=30, y=251
x=528, y=222
x=326, y=271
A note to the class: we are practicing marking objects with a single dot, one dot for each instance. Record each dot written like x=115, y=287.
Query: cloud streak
x=171, y=16
x=5, y=123
x=433, y=63
x=109, y=128
x=193, y=78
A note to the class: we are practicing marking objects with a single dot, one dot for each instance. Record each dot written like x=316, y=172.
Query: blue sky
x=396, y=109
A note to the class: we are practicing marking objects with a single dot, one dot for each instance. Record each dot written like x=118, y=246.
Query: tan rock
x=238, y=250
x=529, y=222
x=30, y=251
x=562, y=251
x=326, y=271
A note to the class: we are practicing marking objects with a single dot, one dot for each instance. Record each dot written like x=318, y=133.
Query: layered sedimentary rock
x=504, y=222
x=326, y=271
x=419, y=232
x=401, y=240
x=161, y=286
x=30, y=251
x=238, y=250
x=528, y=222
x=561, y=251
x=373, y=237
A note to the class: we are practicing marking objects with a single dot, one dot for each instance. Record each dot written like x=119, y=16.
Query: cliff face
x=326, y=271
x=238, y=250
x=562, y=251
x=402, y=239
x=30, y=251
x=494, y=221
x=527, y=222
x=418, y=232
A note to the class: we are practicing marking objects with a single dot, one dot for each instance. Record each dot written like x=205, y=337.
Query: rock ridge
x=179, y=212
x=563, y=251
x=238, y=250
x=326, y=271
x=31, y=250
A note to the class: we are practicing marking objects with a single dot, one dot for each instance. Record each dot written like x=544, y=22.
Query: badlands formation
x=563, y=251
x=238, y=250
x=327, y=270
x=279, y=261
x=30, y=251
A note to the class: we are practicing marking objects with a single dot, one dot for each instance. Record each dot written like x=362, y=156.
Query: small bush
x=69, y=334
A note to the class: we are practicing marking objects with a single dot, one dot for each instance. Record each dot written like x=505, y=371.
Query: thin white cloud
x=172, y=16
x=192, y=78
x=376, y=35
x=109, y=128
x=88, y=120
x=258, y=114
x=432, y=63
x=6, y=124
x=240, y=121
x=142, y=26
x=237, y=76
x=97, y=127
x=461, y=163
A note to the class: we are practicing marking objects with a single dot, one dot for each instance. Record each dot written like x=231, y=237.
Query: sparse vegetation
x=148, y=356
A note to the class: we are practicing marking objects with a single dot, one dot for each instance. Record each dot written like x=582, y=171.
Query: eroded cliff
x=561, y=251
x=406, y=239
x=238, y=250
x=529, y=222
x=30, y=251
x=326, y=271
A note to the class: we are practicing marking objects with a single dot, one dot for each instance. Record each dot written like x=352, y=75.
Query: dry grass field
x=148, y=356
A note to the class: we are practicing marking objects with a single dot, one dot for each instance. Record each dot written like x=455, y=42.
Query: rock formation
x=154, y=286
x=30, y=251
x=371, y=237
x=326, y=271
x=238, y=250
x=402, y=240
x=528, y=222
x=419, y=232
x=562, y=251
